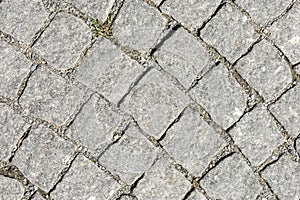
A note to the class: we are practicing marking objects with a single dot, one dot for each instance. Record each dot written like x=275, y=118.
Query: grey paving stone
x=230, y=32
x=162, y=181
x=63, y=41
x=284, y=178
x=265, y=70
x=41, y=157
x=287, y=110
x=109, y=71
x=286, y=35
x=263, y=11
x=10, y=189
x=198, y=146
x=257, y=135
x=219, y=93
x=195, y=195
x=190, y=13
x=96, y=9
x=13, y=68
x=155, y=103
x=131, y=156
x=85, y=180
x=231, y=179
x=22, y=19
x=138, y=20
x=95, y=124
x=50, y=97
x=12, y=128
x=183, y=56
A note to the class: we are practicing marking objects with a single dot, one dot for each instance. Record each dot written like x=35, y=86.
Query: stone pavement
x=149, y=99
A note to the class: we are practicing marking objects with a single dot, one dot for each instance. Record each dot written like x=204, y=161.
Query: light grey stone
x=190, y=13
x=95, y=124
x=231, y=179
x=219, y=93
x=50, y=97
x=257, y=135
x=37, y=196
x=127, y=197
x=192, y=142
x=230, y=32
x=284, y=178
x=106, y=69
x=195, y=195
x=13, y=68
x=96, y=9
x=10, y=189
x=130, y=156
x=162, y=181
x=138, y=25
x=183, y=56
x=298, y=146
x=12, y=128
x=63, y=41
x=155, y=103
x=285, y=32
x=22, y=19
x=263, y=11
x=157, y=2
x=287, y=110
x=265, y=70
x=42, y=156
x=85, y=180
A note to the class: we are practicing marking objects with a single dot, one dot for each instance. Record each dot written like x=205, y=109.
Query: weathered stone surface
x=138, y=20
x=42, y=156
x=219, y=93
x=155, y=103
x=191, y=13
x=106, y=69
x=284, y=178
x=287, y=110
x=195, y=195
x=10, y=189
x=265, y=70
x=199, y=144
x=63, y=41
x=183, y=56
x=22, y=19
x=13, y=68
x=286, y=35
x=231, y=179
x=50, y=97
x=162, y=181
x=257, y=135
x=125, y=157
x=230, y=32
x=85, y=180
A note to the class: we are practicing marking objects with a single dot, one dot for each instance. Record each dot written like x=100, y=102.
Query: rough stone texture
x=286, y=35
x=190, y=13
x=196, y=196
x=41, y=157
x=230, y=32
x=50, y=97
x=124, y=157
x=85, y=180
x=155, y=103
x=284, y=178
x=287, y=110
x=63, y=41
x=37, y=196
x=108, y=70
x=12, y=127
x=10, y=189
x=199, y=144
x=138, y=20
x=13, y=68
x=183, y=56
x=22, y=19
x=257, y=135
x=232, y=179
x=221, y=96
x=162, y=181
